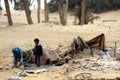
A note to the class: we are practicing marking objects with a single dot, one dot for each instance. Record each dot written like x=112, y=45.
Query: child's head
x=36, y=41
x=16, y=51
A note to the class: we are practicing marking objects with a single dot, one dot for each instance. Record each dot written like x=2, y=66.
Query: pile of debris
x=93, y=47
x=79, y=46
x=48, y=57
x=106, y=59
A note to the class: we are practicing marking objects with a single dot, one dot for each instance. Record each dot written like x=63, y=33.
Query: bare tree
x=15, y=1
x=76, y=14
x=66, y=10
x=0, y=7
x=83, y=9
x=38, y=11
x=27, y=11
x=63, y=9
x=15, y=5
x=8, y=13
x=46, y=11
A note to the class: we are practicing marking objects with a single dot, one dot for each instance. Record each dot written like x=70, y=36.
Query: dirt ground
x=52, y=35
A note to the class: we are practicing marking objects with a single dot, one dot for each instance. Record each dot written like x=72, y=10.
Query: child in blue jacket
x=17, y=57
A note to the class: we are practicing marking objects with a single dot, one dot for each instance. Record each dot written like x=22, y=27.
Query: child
x=37, y=51
x=17, y=60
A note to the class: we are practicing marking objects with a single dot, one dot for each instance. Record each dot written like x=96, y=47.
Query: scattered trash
x=24, y=73
x=15, y=78
x=95, y=64
x=105, y=54
x=36, y=71
x=83, y=76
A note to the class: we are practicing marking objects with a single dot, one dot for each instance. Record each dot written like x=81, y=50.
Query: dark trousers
x=37, y=60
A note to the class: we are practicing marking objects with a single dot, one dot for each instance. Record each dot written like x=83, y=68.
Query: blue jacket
x=17, y=53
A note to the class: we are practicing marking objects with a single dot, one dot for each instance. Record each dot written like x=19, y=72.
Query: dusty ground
x=52, y=35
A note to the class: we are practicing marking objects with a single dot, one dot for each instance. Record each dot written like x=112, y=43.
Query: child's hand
x=18, y=64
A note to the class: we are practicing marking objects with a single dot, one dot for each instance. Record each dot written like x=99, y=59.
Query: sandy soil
x=52, y=35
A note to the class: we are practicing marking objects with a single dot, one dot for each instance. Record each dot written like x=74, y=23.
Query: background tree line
x=62, y=6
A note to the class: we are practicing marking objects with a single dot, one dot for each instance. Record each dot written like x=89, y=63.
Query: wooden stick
x=115, y=49
x=36, y=71
x=109, y=20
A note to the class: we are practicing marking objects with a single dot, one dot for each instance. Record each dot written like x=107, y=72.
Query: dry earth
x=52, y=35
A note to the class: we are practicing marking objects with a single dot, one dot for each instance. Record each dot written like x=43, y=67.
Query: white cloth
x=105, y=54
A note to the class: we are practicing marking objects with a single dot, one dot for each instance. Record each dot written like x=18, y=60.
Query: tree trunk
x=83, y=8
x=63, y=9
x=27, y=11
x=14, y=1
x=0, y=7
x=66, y=10
x=38, y=11
x=59, y=9
x=8, y=13
x=46, y=11
x=76, y=17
